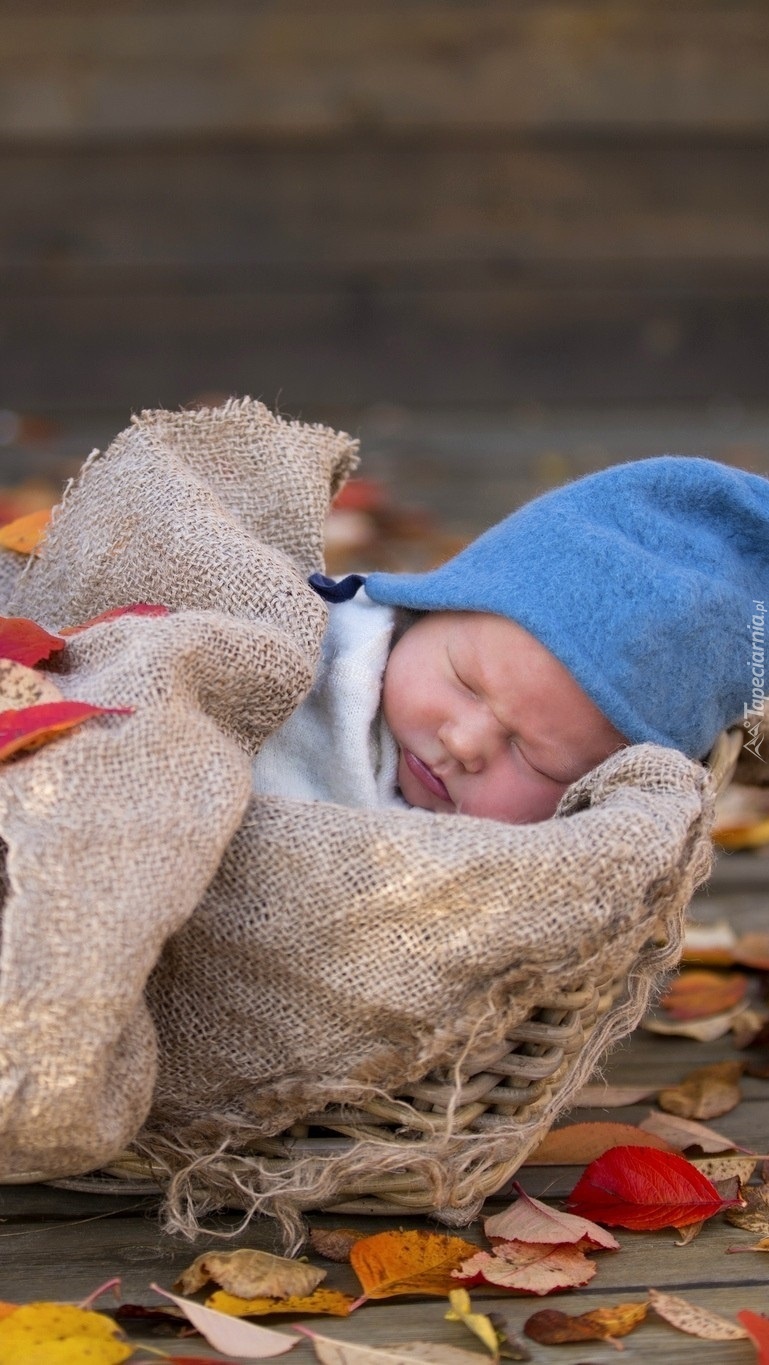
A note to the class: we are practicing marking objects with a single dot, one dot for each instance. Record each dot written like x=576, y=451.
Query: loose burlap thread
x=189, y=967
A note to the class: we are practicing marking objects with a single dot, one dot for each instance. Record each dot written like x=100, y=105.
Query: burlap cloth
x=188, y=966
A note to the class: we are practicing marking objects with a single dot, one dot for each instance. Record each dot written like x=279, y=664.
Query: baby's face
x=487, y=721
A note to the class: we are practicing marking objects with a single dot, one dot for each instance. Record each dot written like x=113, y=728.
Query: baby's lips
x=426, y=776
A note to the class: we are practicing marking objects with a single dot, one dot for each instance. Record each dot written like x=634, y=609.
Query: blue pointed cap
x=648, y=580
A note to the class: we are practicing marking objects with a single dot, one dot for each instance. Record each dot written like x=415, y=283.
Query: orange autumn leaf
x=329, y=1301
x=7, y=1308
x=549, y=1327
x=25, y=642
x=418, y=1262
x=736, y=837
x=580, y=1142
x=37, y=725
x=26, y=534
x=696, y=994
x=135, y=609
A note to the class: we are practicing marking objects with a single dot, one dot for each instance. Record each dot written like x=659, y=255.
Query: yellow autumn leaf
x=414, y=1262
x=60, y=1334
x=329, y=1301
x=26, y=534
x=461, y=1310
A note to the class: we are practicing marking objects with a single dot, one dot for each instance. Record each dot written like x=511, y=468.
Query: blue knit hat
x=643, y=579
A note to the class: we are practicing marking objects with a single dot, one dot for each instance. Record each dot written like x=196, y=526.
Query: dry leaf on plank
x=684, y=1133
x=696, y=994
x=461, y=1310
x=330, y=1352
x=415, y=1262
x=328, y=1301
x=550, y=1327
x=762, y=1245
x=251, y=1275
x=231, y=1336
x=334, y=1243
x=639, y=1188
x=752, y=950
x=688, y=1234
x=695, y=1321
x=753, y=1216
x=580, y=1142
x=701, y=1030
x=705, y=1093
x=732, y=1166
x=529, y=1220
x=529, y=1267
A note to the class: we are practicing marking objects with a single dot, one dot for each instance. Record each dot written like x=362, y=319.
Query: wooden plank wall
x=351, y=201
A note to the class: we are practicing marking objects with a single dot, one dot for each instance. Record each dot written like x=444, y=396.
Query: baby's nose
x=464, y=740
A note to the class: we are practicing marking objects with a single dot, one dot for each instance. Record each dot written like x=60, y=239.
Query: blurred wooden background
x=420, y=202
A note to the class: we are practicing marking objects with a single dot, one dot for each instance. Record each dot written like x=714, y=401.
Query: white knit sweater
x=336, y=746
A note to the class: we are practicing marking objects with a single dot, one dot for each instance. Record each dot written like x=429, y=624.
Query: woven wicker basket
x=517, y=1082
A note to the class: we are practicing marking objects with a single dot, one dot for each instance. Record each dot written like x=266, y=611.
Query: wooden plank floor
x=59, y=1244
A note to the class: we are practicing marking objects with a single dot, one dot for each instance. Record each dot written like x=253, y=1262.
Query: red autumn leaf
x=25, y=642
x=757, y=1328
x=641, y=1188
x=136, y=609
x=36, y=725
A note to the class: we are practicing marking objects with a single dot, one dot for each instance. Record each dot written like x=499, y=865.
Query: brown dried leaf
x=695, y=1321
x=705, y=1093
x=334, y=1243
x=529, y=1220
x=731, y=1167
x=331, y=1352
x=684, y=1133
x=688, y=1234
x=552, y=1328
x=510, y=1346
x=21, y=686
x=749, y=1027
x=579, y=1143
x=251, y=1275
x=754, y=1215
x=530, y=1267
x=762, y=1245
x=752, y=950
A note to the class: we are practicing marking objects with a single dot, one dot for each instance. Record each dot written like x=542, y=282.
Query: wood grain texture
x=299, y=67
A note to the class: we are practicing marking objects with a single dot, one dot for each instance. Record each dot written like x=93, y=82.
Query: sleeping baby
x=615, y=610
